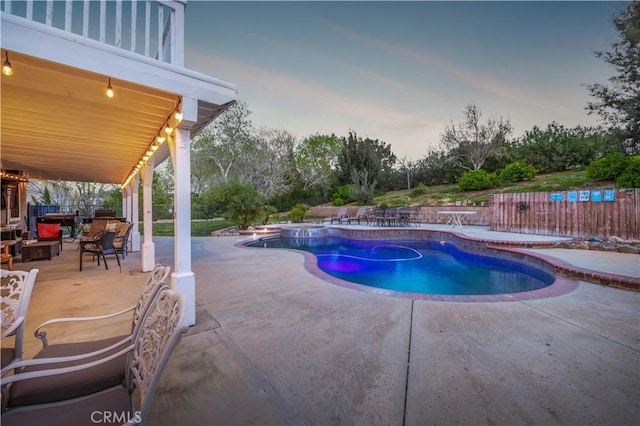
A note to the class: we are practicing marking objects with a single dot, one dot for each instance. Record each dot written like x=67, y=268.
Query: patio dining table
x=456, y=218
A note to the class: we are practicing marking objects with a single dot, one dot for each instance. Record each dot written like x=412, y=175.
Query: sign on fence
x=583, y=213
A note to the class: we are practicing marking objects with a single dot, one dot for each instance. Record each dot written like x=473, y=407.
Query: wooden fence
x=600, y=213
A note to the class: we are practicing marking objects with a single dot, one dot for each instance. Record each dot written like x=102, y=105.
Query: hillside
x=449, y=194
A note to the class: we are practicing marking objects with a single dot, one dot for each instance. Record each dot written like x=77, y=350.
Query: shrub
x=245, y=206
x=342, y=195
x=608, y=167
x=517, y=171
x=417, y=191
x=267, y=211
x=296, y=214
x=477, y=179
x=630, y=177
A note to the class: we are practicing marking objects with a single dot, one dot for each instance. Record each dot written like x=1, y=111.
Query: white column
x=148, y=247
x=183, y=279
x=135, y=213
x=126, y=211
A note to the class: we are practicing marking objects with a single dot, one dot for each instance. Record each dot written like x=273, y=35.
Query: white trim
x=35, y=39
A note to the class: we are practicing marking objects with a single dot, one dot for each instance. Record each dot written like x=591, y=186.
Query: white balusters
x=163, y=23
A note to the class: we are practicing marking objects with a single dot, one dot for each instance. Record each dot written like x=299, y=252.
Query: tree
x=619, y=103
x=315, y=158
x=89, y=196
x=557, y=148
x=407, y=166
x=470, y=143
x=221, y=145
x=268, y=161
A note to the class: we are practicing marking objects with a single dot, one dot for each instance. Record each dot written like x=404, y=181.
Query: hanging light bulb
x=6, y=66
x=160, y=139
x=178, y=116
x=168, y=129
x=110, y=90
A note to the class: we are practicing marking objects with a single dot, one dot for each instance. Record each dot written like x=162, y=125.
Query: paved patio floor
x=274, y=345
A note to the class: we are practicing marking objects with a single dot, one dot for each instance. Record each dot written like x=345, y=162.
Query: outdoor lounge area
x=274, y=344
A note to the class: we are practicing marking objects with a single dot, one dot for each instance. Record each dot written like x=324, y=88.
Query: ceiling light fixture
x=110, y=90
x=6, y=66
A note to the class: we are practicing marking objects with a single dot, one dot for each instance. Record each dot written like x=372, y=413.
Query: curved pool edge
x=567, y=276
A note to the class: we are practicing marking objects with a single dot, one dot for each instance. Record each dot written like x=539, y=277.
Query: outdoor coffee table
x=40, y=250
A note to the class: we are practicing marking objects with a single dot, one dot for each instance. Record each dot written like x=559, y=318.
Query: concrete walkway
x=274, y=345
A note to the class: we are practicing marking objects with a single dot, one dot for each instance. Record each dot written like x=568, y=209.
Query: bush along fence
x=580, y=213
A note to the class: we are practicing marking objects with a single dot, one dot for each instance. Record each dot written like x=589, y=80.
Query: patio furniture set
x=393, y=216
x=397, y=216
x=68, y=383
x=102, y=237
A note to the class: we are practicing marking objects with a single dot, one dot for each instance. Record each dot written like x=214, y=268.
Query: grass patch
x=450, y=194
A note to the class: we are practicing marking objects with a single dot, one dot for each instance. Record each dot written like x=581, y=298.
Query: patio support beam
x=148, y=247
x=183, y=279
x=135, y=213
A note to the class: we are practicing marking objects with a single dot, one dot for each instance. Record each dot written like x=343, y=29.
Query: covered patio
x=91, y=102
x=275, y=345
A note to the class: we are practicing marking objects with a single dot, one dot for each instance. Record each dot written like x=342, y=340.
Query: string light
x=168, y=127
x=110, y=90
x=6, y=66
x=20, y=176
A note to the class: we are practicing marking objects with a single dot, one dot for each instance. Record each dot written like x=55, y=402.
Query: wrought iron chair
x=16, y=292
x=47, y=389
x=147, y=355
x=101, y=247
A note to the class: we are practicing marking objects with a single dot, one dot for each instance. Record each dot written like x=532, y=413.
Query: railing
x=153, y=28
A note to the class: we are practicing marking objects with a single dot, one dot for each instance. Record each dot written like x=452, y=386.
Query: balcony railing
x=153, y=28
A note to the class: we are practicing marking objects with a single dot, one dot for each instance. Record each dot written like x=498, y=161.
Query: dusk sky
x=401, y=71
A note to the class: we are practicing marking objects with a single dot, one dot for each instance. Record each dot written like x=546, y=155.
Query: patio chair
x=94, y=230
x=361, y=214
x=15, y=289
x=415, y=216
x=49, y=232
x=5, y=255
x=342, y=213
x=122, y=238
x=103, y=375
x=101, y=247
x=147, y=356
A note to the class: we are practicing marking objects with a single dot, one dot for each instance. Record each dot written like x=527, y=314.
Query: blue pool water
x=415, y=266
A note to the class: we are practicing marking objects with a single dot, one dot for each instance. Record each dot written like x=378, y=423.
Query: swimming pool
x=416, y=266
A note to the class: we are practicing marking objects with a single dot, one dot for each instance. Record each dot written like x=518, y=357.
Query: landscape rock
x=563, y=244
x=628, y=249
x=614, y=239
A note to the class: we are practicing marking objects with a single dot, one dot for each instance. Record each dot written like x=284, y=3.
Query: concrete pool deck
x=274, y=345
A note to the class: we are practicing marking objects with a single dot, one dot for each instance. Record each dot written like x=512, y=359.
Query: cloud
x=484, y=83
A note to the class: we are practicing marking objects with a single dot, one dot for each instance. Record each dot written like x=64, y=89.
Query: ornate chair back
x=16, y=287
